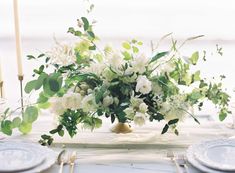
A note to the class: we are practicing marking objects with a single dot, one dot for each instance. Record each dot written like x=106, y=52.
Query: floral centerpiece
x=81, y=83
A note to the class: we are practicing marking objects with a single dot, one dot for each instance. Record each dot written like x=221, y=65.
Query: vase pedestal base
x=121, y=128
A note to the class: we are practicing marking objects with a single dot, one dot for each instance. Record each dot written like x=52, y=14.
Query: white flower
x=72, y=101
x=63, y=55
x=108, y=100
x=95, y=67
x=130, y=113
x=143, y=85
x=139, y=64
x=175, y=107
x=56, y=106
x=88, y=103
x=143, y=108
x=140, y=118
x=156, y=88
x=115, y=60
x=135, y=102
x=166, y=67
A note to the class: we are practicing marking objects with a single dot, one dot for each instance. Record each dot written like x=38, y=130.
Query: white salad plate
x=213, y=156
x=25, y=157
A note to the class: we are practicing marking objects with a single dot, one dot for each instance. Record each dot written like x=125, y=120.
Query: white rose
x=108, y=100
x=139, y=64
x=88, y=103
x=115, y=60
x=139, y=118
x=96, y=68
x=129, y=112
x=143, y=85
x=135, y=102
x=63, y=55
x=143, y=108
x=56, y=106
x=72, y=101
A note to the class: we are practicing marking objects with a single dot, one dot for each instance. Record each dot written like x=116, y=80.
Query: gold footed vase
x=121, y=128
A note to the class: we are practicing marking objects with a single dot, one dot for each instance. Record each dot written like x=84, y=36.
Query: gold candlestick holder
x=1, y=89
x=21, y=78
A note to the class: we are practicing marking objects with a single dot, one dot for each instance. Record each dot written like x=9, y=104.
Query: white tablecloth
x=144, y=150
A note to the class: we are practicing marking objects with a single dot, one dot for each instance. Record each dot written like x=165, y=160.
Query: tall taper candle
x=1, y=71
x=18, y=39
x=1, y=81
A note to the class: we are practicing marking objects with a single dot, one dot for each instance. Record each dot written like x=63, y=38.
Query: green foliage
x=6, y=127
x=85, y=23
x=126, y=45
x=158, y=56
x=99, y=94
x=46, y=140
x=69, y=121
x=194, y=58
x=165, y=129
x=16, y=122
x=30, y=115
x=25, y=127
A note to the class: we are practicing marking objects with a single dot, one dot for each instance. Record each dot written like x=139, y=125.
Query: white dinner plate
x=28, y=157
x=17, y=156
x=190, y=154
x=217, y=154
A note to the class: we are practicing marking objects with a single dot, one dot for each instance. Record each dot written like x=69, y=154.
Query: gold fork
x=72, y=159
x=171, y=155
x=182, y=162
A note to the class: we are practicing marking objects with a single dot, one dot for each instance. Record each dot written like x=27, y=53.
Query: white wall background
x=119, y=20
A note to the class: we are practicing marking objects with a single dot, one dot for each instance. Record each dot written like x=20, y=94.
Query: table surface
x=142, y=151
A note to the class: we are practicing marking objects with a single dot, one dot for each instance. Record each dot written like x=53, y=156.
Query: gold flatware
x=72, y=159
x=183, y=163
x=171, y=155
x=61, y=160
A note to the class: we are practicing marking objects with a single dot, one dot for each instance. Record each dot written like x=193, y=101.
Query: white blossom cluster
x=113, y=66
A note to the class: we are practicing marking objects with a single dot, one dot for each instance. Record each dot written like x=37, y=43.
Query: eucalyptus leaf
x=44, y=105
x=194, y=58
x=54, y=85
x=42, y=98
x=30, y=86
x=25, y=127
x=127, y=56
x=6, y=127
x=16, y=122
x=135, y=49
x=126, y=45
x=30, y=114
x=40, y=81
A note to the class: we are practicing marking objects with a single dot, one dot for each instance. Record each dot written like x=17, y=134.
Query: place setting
x=28, y=157
x=213, y=156
x=25, y=157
